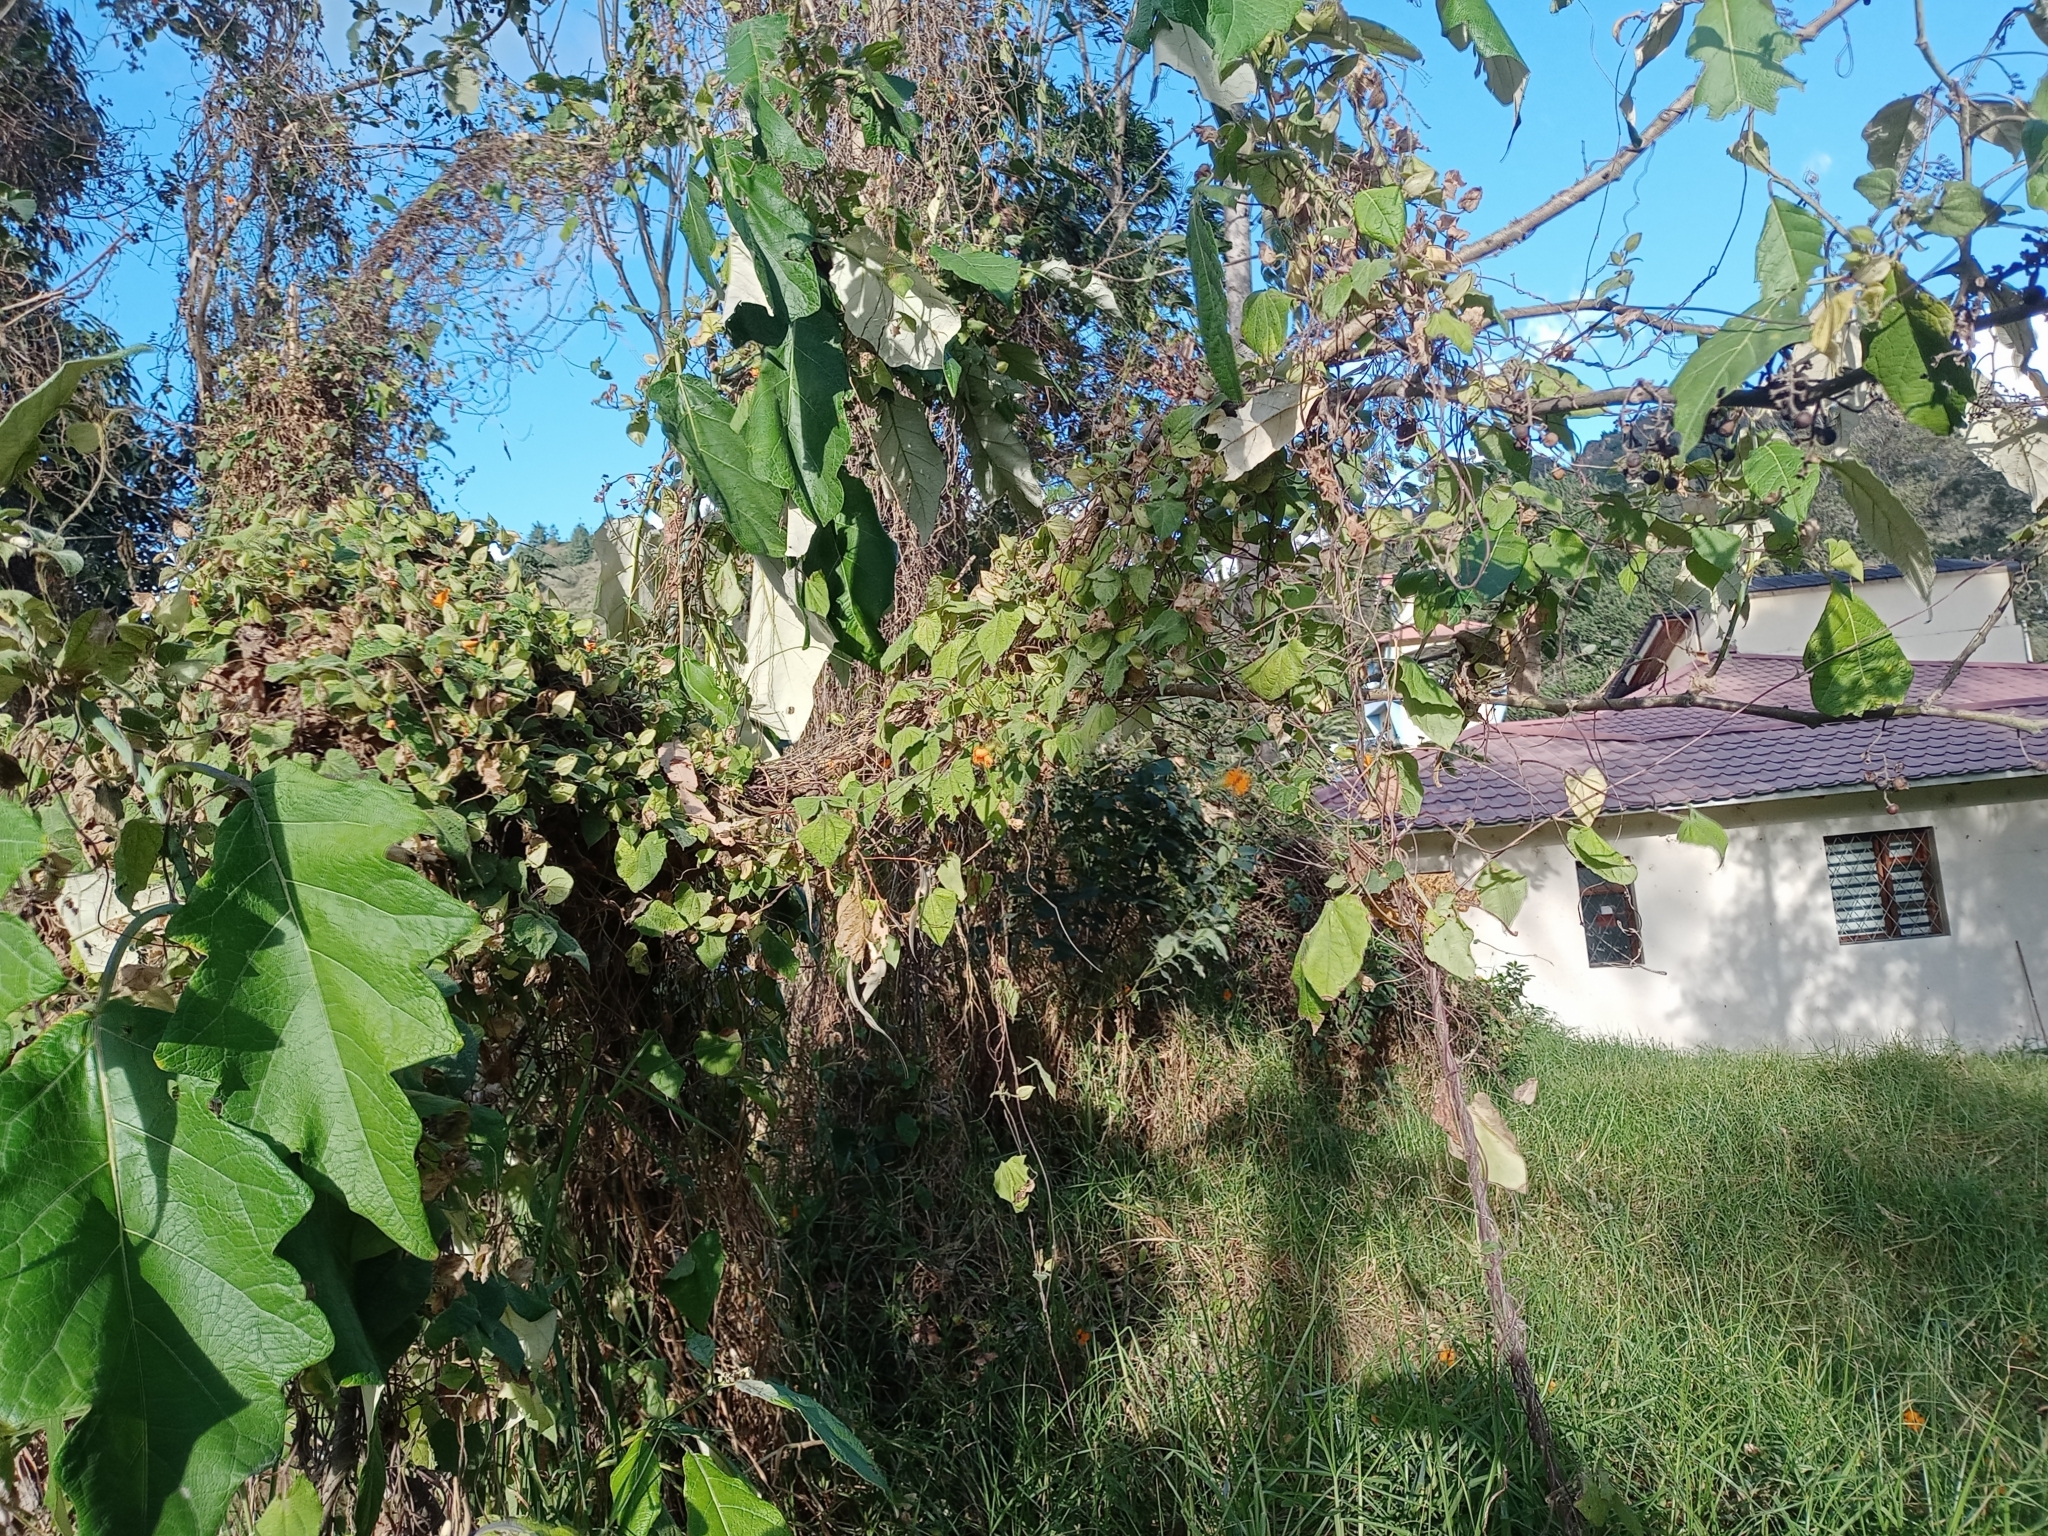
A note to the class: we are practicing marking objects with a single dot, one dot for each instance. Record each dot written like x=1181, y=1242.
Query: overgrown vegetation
x=1042, y=505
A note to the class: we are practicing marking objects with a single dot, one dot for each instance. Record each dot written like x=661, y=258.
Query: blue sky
x=544, y=454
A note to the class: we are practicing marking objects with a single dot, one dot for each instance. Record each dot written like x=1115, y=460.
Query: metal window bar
x=1884, y=885
x=1607, y=911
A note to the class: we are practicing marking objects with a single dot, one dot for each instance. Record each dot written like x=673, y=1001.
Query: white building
x=1885, y=878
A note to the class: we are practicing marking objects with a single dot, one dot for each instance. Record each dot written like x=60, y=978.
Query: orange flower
x=1447, y=1356
x=983, y=756
x=441, y=598
x=1237, y=781
x=1082, y=1335
x=1915, y=1420
x=1226, y=994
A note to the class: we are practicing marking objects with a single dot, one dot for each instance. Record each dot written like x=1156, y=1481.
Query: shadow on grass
x=1768, y=1295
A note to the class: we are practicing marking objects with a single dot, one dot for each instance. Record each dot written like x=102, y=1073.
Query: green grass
x=1745, y=1276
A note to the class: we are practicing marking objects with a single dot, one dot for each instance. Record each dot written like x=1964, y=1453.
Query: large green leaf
x=752, y=47
x=1886, y=523
x=1600, y=856
x=911, y=461
x=1238, y=26
x=1741, y=51
x=992, y=270
x=856, y=558
x=314, y=988
x=370, y=1291
x=1853, y=664
x=22, y=427
x=1212, y=309
x=1729, y=356
x=1912, y=353
x=1472, y=24
x=814, y=411
x=777, y=233
x=1788, y=251
x=139, y=1291
x=842, y=1442
x=1433, y=707
x=1000, y=459
x=1333, y=950
x=721, y=1504
x=28, y=971
x=698, y=422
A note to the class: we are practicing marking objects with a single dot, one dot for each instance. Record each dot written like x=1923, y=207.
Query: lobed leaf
x=314, y=987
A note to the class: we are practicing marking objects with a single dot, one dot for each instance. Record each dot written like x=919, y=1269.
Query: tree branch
x=1608, y=171
x=2031, y=724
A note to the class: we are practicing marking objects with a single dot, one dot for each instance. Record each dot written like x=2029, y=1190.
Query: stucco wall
x=1781, y=619
x=1748, y=955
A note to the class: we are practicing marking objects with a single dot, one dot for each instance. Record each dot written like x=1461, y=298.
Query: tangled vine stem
x=1508, y=1331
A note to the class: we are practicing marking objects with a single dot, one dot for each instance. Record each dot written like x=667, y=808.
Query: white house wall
x=1748, y=955
x=1781, y=619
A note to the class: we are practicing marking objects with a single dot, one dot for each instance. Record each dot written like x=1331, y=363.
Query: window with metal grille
x=1884, y=885
x=1614, y=935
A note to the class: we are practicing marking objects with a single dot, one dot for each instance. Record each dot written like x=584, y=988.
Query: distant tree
x=538, y=536
x=580, y=546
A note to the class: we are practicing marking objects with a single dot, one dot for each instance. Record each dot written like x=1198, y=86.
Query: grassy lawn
x=1768, y=1294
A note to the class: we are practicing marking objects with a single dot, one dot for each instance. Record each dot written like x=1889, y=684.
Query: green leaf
x=639, y=861
x=28, y=971
x=814, y=412
x=1434, y=709
x=857, y=559
x=295, y=1512
x=753, y=46
x=1773, y=468
x=1449, y=327
x=993, y=639
x=1449, y=944
x=370, y=1291
x=992, y=270
x=1704, y=832
x=721, y=1504
x=698, y=424
x=1278, y=671
x=1913, y=355
x=779, y=138
x=1885, y=523
x=692, y=1285
x=825, y=837
x=1853, y=663
x=1788, y=252
x=637, y=1508
x=21, y=841
x=1502, y=891
x=842, y=1442
x=1894, y=131
x=1959, y=209
x=937, y=912
x=1266, y=317
x=1014, y=1183
x=1212, y=310
x=655, y=1065
x=1723, y=360
x=2034, y=141
x=22, y=427
x=776, y=232
x=1381, y=214
x=1599, y=855
x=140, y=1294
x=314, y=987
x=1332, y=951
x=135, y=854
x=913, y=465
x=1236, y=27
x=1472, y=24
x=720, y=1055
x=1741, y=51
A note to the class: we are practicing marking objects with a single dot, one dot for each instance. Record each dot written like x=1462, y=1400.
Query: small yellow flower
x=983, y=756
x=1237, y=781
x=1915, y=1420
x=1447, y=1356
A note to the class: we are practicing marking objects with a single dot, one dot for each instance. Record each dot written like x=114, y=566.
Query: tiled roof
x=1874, y=573
x=1668, y=758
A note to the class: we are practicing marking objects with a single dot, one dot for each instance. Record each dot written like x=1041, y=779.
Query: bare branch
x=1615, y=167
x=2031, y=724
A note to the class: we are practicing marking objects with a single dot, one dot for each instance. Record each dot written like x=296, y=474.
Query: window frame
x=1924, y=857
x=1591, y=888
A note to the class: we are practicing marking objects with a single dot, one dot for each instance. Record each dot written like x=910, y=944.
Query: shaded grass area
x=1767, y=1294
